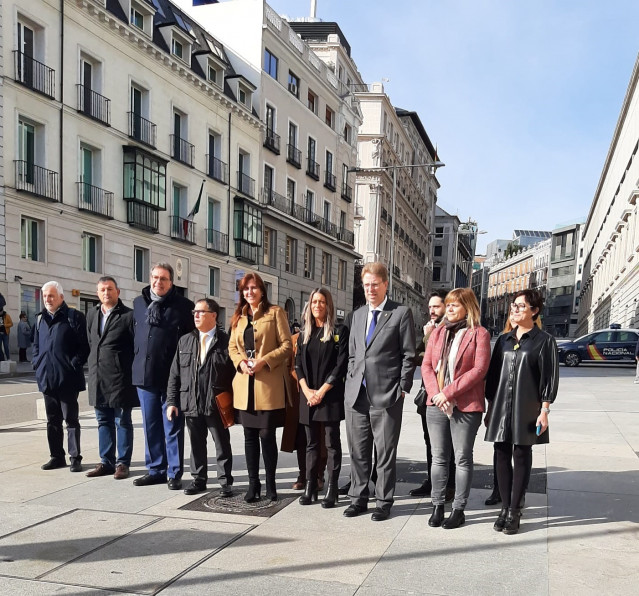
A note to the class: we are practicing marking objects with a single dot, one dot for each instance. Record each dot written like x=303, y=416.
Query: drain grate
x=236, y=505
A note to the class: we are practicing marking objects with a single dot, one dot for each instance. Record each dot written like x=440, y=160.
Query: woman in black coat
x=521, y=383
x=320, y=364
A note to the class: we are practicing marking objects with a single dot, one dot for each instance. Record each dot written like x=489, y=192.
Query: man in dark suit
x=381, y=364
x=111, y=391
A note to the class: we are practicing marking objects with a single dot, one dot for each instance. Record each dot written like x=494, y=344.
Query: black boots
x=253, y=493
x=455, y=519
x=310, y=493
x=437, y=516
x=513, y=519
x=331, y=496
x=494, y=498
x=501, y=520
x=422, y=491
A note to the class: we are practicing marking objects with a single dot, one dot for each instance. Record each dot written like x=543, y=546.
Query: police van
x=606, y=345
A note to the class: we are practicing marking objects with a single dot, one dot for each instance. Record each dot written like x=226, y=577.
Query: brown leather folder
x=224, y=403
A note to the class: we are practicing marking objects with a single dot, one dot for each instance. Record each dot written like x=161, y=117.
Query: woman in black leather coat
x=521, y=383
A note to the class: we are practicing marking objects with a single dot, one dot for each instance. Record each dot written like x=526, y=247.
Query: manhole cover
x=236, y=505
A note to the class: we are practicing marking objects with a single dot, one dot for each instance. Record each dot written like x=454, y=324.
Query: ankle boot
x=501, y=520
x=513, y=519
x=253, y=493
x=331, y=496
x=437, y=516
x=310, y=493
x=494, y=498
x=455, y=519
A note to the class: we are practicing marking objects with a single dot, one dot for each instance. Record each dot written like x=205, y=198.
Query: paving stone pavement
x=68, y=534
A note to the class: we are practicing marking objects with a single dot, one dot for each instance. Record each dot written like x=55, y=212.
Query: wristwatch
x=547, y=410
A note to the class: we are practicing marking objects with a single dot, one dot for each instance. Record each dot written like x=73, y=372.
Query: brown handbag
x=224, y=403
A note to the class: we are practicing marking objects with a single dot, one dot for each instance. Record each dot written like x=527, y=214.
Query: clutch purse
x=420, y=398
x=224, y=403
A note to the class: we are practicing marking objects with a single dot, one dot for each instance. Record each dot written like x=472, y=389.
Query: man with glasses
x=381, y=364
x=201, y=370
x=161, y=316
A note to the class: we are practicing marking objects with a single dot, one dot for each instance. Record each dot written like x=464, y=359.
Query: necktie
x=371, y=329
x=202, y=349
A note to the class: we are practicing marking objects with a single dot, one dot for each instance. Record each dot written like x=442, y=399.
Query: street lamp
x=433, y=170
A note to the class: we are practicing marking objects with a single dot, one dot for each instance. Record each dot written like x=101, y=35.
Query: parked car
x=605, y=345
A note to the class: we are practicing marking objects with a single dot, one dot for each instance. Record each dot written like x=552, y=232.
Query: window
x=244, y=94
x=27, y=146
x=144, y=178
x=269, y=247
x=214, y=281
x=247, y=230
x=327, y=211
x=439, y=232
x=141, y=265
x=216, y=168
x=270, y=64
x=330, y=117
x=179, y=200
x=140, y=127
x=177, y=48
x=137, y=18
x=437, y=273
x=212, y=74
x=342, y=220
x=309, y=261
x=270, y=119
x=31, y=239
x=311, y=149
x=290, y=261
x=312, y=102
x=214, y=217
x=294, y=84
x=329, y=162
x=348, y=134
x=290, y=190
x=438, y=251
x=91, y=253
x=327, y=260
x=342, y=272
x=310, y=201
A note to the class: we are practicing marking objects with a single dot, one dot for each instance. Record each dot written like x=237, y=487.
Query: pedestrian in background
x=24, y=337
x=637, y=359
x=60, y=350
x=5, y=329
x=455, y=364
x=161, y=315
x=111, y=390
x=522, y=382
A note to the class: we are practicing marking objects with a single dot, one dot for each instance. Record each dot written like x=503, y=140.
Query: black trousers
x=333, y=449
x=429, y=455
x=59, y=408
x=514, y=464
x=199, y=427
x=252, y=439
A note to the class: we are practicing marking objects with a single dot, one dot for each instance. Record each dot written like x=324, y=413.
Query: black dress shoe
x=437, y=517
x=380, y=514
x=196, y=486
x=54, y=463
x=343, y=490
x=76, y=465
x=422, y=491
x=501, y=520
x=354, y=510
x=174, y=484
x=455, y=519
x=226, y=491
x=513, y=519
x=494, y=498
x=149, y=479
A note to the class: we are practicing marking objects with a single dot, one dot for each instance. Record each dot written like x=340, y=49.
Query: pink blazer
x=471, y=366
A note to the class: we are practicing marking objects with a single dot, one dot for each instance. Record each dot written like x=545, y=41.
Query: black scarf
x=154, y=310
x=451, y=331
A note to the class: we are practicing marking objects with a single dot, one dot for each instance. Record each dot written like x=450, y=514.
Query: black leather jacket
x=522, y=375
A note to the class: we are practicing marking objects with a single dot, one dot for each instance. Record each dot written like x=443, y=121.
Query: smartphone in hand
x=539, y=429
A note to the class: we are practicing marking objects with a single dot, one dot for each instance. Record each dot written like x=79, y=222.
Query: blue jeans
x=114, y=425
x=163, y=439
x=4, y=340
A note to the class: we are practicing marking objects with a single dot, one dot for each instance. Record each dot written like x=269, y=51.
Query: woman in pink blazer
x=455, y=364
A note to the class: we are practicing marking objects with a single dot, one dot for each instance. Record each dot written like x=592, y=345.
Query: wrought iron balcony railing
x=94, y=105
x=37, y=180
x=312, y=168
x=182, y=229
x=94, y=199
x=272, y=141
x=182, y=150
x=216, y=241
x=33, y=74
x=139, y=215
x=142, y=130
x=246, y=184
x=329, y=181
x=294, y=156
x=217, y=169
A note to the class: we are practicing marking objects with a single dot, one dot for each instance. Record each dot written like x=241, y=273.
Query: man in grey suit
x=381, y=364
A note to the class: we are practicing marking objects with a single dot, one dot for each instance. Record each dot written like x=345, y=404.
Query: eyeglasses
x=517, y=307
x=197, y=313
x=157, y=278
x=372, y=286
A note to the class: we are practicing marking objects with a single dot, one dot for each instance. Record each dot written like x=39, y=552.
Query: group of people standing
x=171, y=357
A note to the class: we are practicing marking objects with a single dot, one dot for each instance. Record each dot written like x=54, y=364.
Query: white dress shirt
x=380, y=308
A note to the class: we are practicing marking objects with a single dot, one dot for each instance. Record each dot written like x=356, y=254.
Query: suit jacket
x=111, y=358
x=388, y=362
x=471, y=366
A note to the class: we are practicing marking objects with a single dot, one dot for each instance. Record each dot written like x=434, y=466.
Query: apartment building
x=308, y=145
x=129, y=138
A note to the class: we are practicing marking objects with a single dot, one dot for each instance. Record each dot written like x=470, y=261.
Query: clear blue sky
x=520, y=97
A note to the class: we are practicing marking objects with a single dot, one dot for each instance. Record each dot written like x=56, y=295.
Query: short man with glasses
x=161, y=315
x=201, y=370
x=381, y=364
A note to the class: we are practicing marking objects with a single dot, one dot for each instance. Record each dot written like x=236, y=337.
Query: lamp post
x=433, y=170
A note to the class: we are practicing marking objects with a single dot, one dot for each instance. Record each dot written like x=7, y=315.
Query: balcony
x=347, y=193
x=141, y=216
x=396, y=271
x=94, y=105
x=272, y=141
x=216, y=241
x=33, y=74
x=330, y=181
x=246, y=185
x=182, y=150
x=418, y=287
x=217, y=169
x=276, y=200
x=294, y=156
x=95, y=200
x=182, y=229
x=245, y=251
x=346, y=236
x=36, y=180
x=312, y=169
x=327, y=227
x=142, y=130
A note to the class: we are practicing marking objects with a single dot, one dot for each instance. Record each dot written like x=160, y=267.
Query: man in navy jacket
x=161, y=316
x=60, y=350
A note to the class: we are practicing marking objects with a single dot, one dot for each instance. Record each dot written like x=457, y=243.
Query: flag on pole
x=189, y=218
